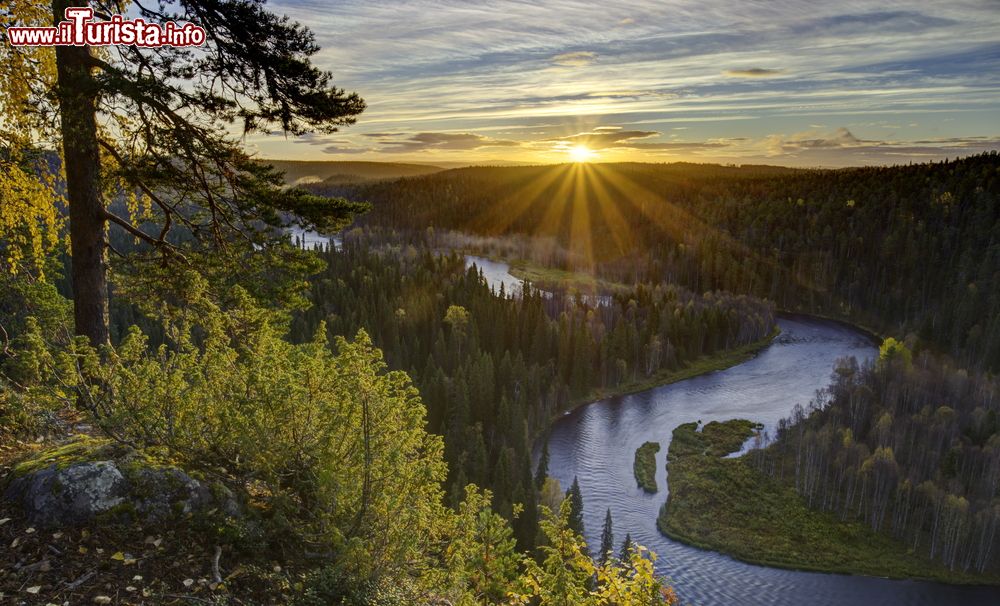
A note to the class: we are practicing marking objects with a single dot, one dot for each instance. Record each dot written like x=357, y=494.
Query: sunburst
x=581, y=153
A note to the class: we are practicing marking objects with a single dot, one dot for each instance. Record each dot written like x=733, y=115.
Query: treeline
x=910, y=448
x=492, y=369
x=903, y=249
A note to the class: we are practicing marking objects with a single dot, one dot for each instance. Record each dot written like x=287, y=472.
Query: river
x=498, y=272
x=309, y=239
x=596, y=443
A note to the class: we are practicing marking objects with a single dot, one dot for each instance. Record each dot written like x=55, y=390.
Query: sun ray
x=683, y=226
x=513, y=206
x=558, y=205
x=580, y=235
x=618, y=227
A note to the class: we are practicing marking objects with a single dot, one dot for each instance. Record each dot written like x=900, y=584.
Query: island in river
x=645, y=466
x=725, y=504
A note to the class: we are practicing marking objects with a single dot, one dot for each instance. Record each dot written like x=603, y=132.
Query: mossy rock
x=87, y=478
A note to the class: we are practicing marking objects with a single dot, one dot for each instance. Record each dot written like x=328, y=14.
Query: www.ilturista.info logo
x=80, y=29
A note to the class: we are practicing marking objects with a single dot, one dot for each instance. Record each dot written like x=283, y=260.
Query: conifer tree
x=163, y=136
x=607, y=539
x=576, y=507
x=626, y=552
x=543, y=467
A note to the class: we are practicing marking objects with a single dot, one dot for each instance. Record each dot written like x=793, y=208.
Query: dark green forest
x=906, y=448
x=904, y=249
x=494, y=368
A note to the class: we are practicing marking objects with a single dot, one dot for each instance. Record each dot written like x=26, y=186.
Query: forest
x=905, y=448
x=909, y=445
x=494, y=368
x=903, y=249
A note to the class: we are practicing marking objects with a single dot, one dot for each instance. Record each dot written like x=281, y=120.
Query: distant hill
x=305, y=171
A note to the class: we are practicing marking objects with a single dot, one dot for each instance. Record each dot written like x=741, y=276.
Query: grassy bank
x=726, y=505
x=703, y=365
x=645, y=466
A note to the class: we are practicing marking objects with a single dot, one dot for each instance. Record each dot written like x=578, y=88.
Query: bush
x=333, y=444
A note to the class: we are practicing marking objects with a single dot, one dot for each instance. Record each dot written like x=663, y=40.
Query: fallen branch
x=216, y=573
x=80, y=581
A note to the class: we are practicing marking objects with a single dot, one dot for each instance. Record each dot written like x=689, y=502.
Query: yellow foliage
x=29, y=224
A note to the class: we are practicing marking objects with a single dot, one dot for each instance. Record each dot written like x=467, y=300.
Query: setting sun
x=581, y=153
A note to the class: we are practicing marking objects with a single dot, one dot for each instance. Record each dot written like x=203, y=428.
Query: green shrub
x=333, y=444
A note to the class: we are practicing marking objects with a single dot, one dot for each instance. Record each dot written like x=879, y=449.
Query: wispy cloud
x=754, y=72
x=605, y=137
x=574, y=59
x=619, y=139
x=444, y=141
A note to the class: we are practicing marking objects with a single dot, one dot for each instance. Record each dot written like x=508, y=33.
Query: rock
x=73, y=495
x=75, y=492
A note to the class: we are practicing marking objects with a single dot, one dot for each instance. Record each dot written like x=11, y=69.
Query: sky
x=795, y=83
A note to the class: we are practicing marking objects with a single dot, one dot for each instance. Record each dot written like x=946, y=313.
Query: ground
x=129, y=563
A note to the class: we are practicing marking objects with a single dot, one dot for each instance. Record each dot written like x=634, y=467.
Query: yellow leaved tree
x=29, y=221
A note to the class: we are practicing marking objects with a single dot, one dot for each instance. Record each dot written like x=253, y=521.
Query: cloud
x=454, y=67
x=575, y=59
x=614, y=137
x=754, y=72
x=910, y=22
x=633, y=94
x=839, y=138
x=332, y=146
x=678, y=146
x=605, y=136
x=345, y=149
x=812, y=140
x=842, y=144
x=445, y=141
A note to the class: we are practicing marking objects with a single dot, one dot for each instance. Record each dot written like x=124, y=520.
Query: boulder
x=122, y=483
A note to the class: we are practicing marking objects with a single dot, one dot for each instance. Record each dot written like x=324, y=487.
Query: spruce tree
x=543, y=467
x=626, y=552
x=607, y=539
x=576, y=507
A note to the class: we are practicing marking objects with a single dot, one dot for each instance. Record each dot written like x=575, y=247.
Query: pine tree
x=607, y=539
x=173, y=111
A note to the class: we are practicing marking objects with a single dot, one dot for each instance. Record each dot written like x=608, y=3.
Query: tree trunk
x=77, y=92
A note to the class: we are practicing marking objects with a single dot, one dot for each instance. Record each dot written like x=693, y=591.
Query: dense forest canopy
x=902, y=249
